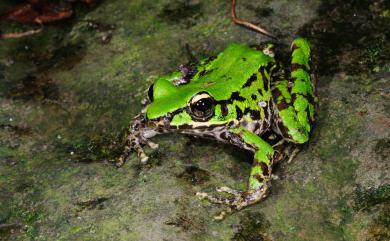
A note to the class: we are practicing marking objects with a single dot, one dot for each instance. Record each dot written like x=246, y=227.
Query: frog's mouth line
x=163, y=126
x=203, y=130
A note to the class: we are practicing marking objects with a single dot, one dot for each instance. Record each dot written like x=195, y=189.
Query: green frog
x=244, y=96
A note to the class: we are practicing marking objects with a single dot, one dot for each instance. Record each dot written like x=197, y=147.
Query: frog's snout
x=162, y=88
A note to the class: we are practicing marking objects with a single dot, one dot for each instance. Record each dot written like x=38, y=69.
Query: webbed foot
x=237, y=201
x=136, y=140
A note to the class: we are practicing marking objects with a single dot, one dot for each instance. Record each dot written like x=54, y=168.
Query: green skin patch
x=234, y=98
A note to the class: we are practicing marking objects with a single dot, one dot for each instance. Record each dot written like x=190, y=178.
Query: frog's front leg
x=139, y=135
x=259, y=179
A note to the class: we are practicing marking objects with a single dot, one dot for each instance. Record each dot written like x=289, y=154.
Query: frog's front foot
x=135, y=142
x=137, y=138
x=238, y=201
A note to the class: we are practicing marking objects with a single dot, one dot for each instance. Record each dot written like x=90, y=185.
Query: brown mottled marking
x=262, y=72
x=282, y=128
x=282, y=105
x=264, y=168
x=224, y=109
x=185, y=126
x=202, y=73
x=239, y=113
x=223, y=135
x=255, y=114
x=211, y=128
x=267, y=69
x=259, y=178
x=230, y=124
x=266, y=113
x=166, y=122
x=276, y=93
x=207, y=84
x=246, y=110
x=256, y=126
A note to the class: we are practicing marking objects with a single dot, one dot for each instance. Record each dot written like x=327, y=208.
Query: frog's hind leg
x=259, y=179
x=294, y=97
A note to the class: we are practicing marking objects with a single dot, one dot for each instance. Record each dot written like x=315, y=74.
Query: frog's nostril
x=150, y=93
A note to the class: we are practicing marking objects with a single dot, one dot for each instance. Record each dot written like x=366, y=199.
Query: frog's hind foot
x=285, y=151
x=238, y=201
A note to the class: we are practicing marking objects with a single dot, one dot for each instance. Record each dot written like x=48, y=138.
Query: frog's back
x=229, y=72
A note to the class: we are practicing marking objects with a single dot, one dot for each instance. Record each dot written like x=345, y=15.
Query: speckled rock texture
x=68, y=94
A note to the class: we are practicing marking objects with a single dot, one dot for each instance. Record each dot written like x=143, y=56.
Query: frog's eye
x=150, y=93
x=202, y=107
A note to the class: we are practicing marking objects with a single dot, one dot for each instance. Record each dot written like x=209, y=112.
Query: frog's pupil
x=202, y=108
x=203, y=105
x=150, y=92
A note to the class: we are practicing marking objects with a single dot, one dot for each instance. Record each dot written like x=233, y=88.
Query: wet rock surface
x=68, y=93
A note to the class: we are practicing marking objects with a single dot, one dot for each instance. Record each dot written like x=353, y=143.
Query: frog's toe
x=222, y=215
x=228, y=190
x=237, y=201
x=125, y=155
x=134, y=142
x=213, y=199
x=120, y=161
x=144, y=158
x=141, y=153
x=233, y=202
x=152, y=145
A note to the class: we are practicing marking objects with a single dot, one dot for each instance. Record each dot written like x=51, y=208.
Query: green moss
x=252, y=227
x=342, y=172
x=29, y=219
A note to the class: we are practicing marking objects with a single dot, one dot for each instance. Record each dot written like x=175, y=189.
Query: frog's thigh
x=294, y=97
x=260, y=175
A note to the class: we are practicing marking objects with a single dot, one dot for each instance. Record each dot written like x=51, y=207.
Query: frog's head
x=206, y=97
x=186, y=108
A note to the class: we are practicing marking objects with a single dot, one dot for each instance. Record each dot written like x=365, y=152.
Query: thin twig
x=19, y=35
x=248, y=24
